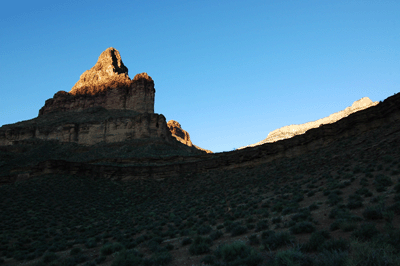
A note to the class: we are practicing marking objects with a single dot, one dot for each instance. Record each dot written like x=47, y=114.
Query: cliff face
x=105, y=105
x=182, y=135
x=287, y=132
x=107, y=85
x=92, y=127
x=385, y=115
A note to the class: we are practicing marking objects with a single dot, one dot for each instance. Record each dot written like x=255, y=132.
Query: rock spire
x=108, y=72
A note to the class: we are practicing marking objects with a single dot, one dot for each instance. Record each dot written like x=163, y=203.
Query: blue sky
x=229, y=71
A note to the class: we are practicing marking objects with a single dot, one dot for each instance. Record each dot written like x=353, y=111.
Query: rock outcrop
x=107, y=85
x=111, y=107
x=90, y=127
x=379, y=118
x=294, y=130
x=182, y=135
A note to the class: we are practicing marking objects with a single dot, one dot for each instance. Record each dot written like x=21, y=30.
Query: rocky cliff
x=91, y=126
x=294, y=130
x=364, y=125
x=107, y=85
x=111, y=107
x=182, y=135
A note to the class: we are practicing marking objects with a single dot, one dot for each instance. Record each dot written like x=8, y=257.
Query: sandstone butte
x=107, y=85
x=287, y=132
x=112, y=107
x=182, y=135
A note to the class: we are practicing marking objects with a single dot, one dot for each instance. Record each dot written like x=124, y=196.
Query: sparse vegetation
x=318, y=208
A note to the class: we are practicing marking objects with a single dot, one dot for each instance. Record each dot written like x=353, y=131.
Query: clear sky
x=229, y=71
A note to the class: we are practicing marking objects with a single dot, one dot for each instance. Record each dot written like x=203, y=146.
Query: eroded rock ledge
x=386, y=114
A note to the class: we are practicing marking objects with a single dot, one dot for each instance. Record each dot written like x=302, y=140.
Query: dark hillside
x=337, y=204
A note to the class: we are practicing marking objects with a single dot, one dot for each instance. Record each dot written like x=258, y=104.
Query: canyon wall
x=385, y=114
x=105, y=129
x=287, y=132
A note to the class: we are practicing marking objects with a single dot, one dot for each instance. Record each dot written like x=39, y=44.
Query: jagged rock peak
x=108, y=72
x=177, y=132
x=142, y=76
x=182, y=135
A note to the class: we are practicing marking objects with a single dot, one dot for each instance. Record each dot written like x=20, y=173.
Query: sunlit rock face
x=294, y=130
x=105, y=105
x=182, y=135
x=107, y=85
x=108, y=72
x=177, y=132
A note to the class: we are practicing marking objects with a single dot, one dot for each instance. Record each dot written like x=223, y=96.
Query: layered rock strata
x=88, y=128
x=111, y=108
x=287, y=132
x=107, y=85
x=385, y=114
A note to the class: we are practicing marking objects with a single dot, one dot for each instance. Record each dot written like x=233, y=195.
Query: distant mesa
x=182, y=135
x=287, y=132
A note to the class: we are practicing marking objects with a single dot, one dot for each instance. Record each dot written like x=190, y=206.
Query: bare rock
x=106, y=85
x=182, y=135
x=108, y=72
x=294, y=130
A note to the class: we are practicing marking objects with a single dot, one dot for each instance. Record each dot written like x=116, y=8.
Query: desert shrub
x=313, y=207
x=289, y=210
x=347, y=225
x=334, y=199
x=238, y=230
x=216, y=234
x=373, y=254
x=277, y=240
x=278, y=207
x=311, y=193
x=209, y=260
x=238, y=253
x=110, y=248
x=186, y=241
x=91, y=243
x=200, y=245
x=302, y=215
x=373, y=213
x=100, y=259
x=204, y=229
x=253, y=240
x=397, y=188
x=336, y=244
x=80, y=258
x=75, y=251
x=277, y=219
x=49, y=257
x=395, y=208
x=302, y=227
x=262, y=225
x=381, y=182
x=331, y=258
x=298, y=198
x=292, y=257
x=161, y=258
x=366, y=232
x=354, y=201
x=127, y=258
x=316, y=240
